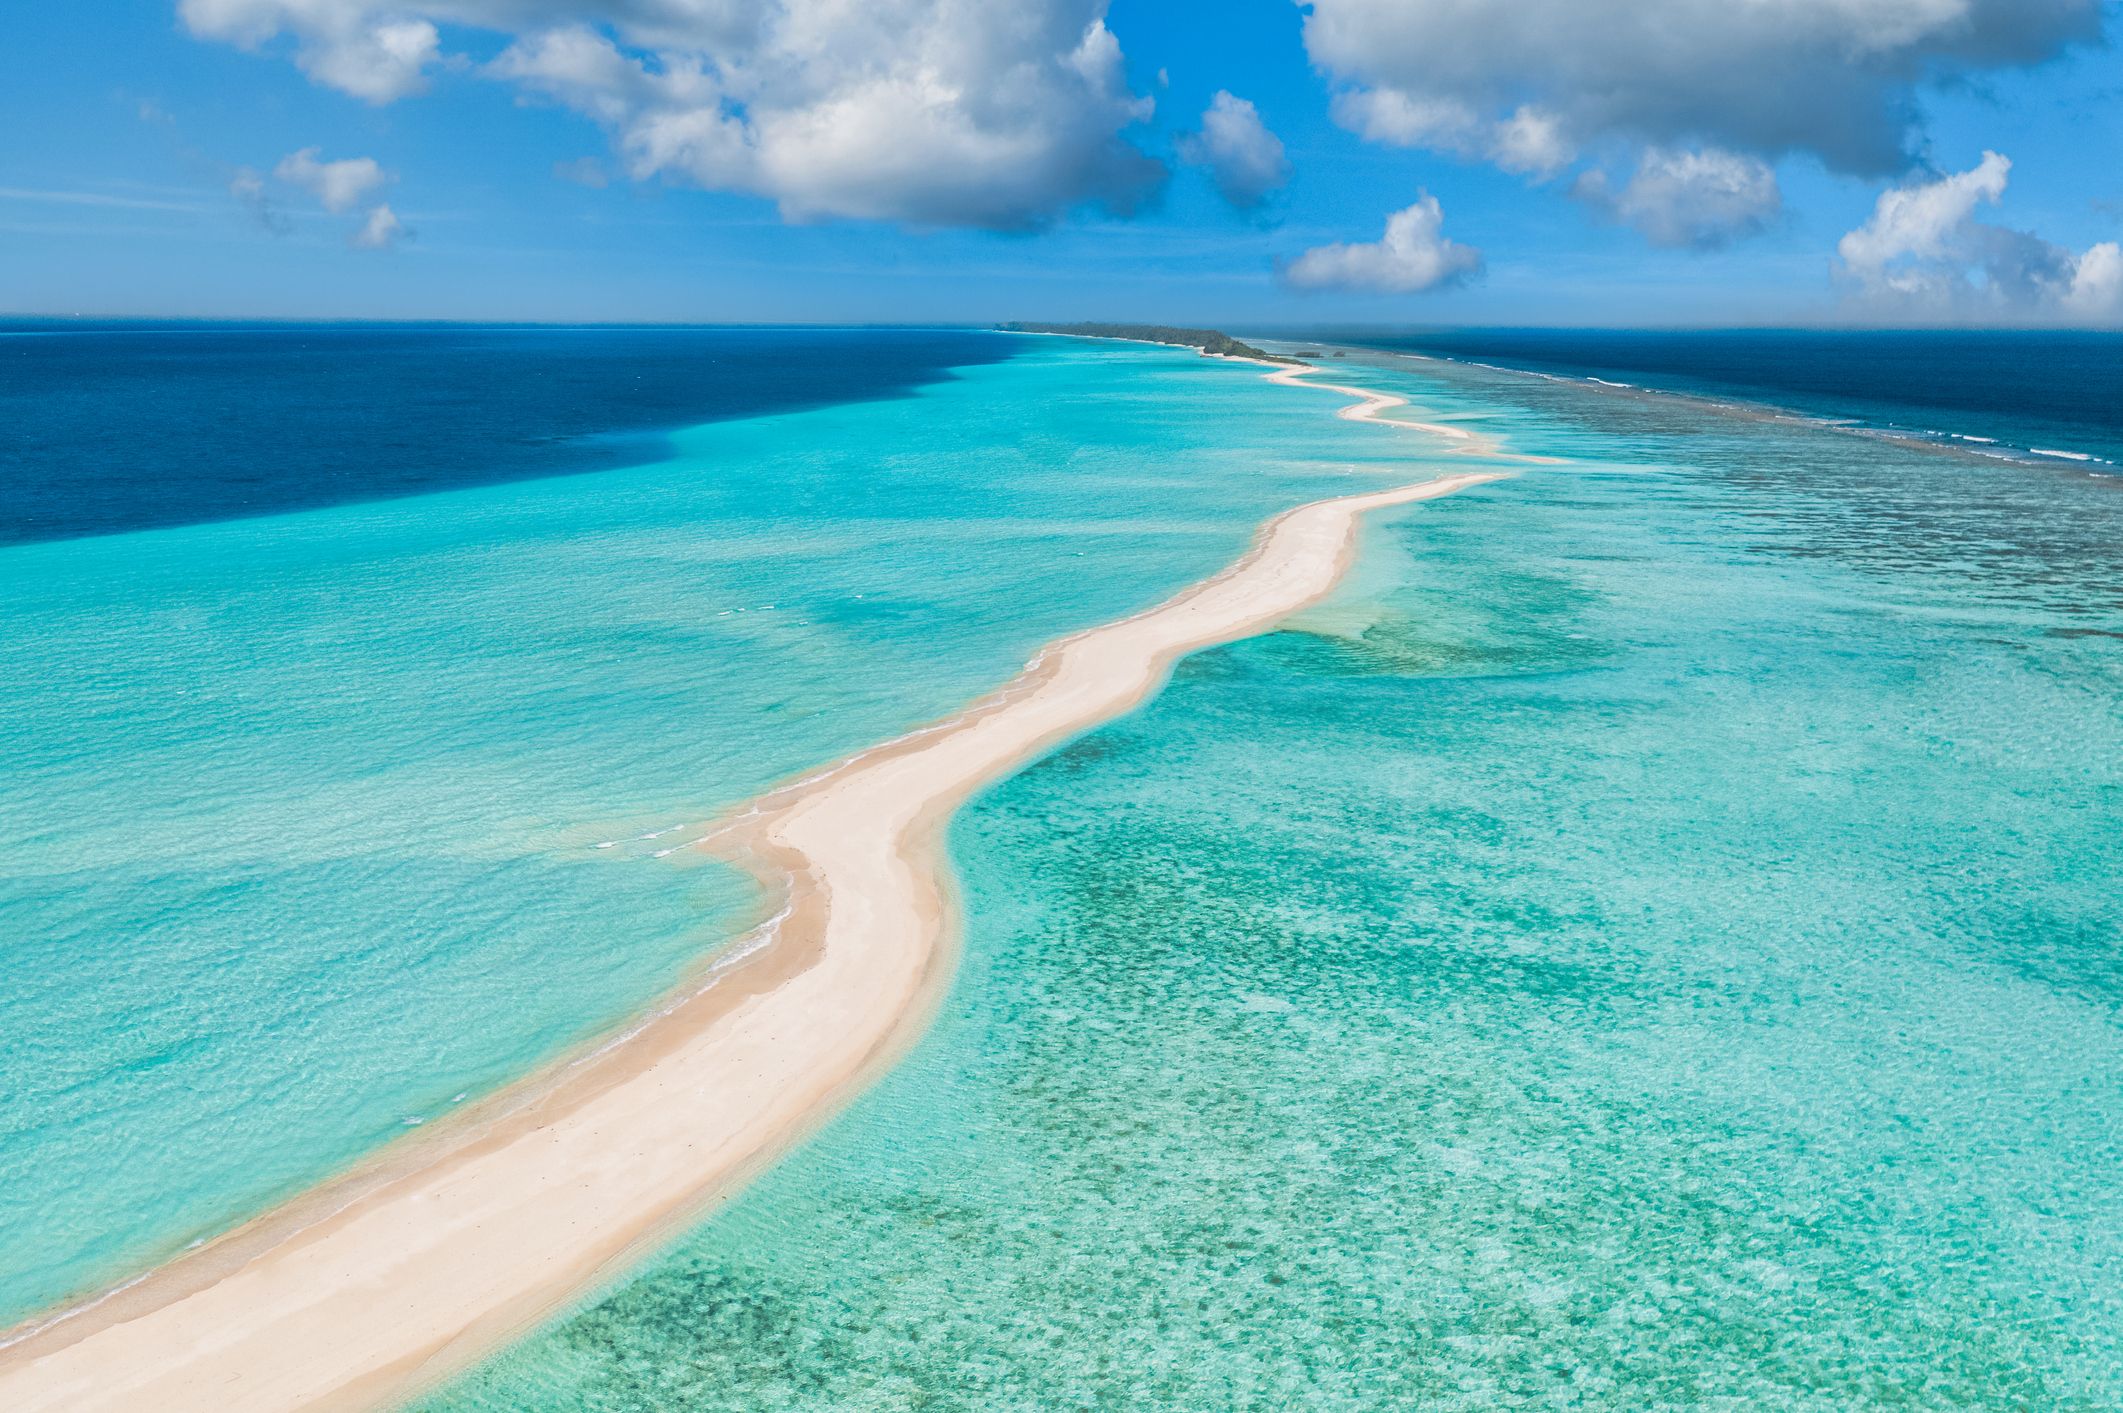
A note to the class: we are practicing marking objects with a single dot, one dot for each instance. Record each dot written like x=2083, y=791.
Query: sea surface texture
x=352, y=780
x=2050, y=397
x=117, y=427
x=1651, y=941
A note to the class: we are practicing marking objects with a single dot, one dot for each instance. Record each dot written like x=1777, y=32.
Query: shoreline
x=1292, y=373
x=387, y=1280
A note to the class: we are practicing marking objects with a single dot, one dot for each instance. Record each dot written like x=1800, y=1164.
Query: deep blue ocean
x=124, y=426
x=2047, y=396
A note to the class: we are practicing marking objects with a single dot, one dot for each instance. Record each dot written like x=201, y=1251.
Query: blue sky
x=911, y=160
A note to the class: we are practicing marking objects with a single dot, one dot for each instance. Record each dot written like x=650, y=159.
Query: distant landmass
x=1207, y=340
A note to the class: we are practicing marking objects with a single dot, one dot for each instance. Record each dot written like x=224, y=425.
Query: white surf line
x=397, y=1285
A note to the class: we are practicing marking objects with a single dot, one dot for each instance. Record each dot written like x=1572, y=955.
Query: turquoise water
x=304, y=811
x=1650, y=942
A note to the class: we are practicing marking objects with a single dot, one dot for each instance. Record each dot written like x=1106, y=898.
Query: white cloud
x=1526, y=141
x=1698, y=96
x=1530, y=142
x=1413, y=255
x=377, y=52
x=1391, y=116
x=338, y=186
x=1700, y=199
x=1923, y=255
x=1918, y=221
x=1244, y=159
x=586, y=71
x=1833, y=78
x=928, y=112
x=2096, y=292
x=380, y=231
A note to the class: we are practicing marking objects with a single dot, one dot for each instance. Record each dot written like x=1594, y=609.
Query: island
x=1209, y=341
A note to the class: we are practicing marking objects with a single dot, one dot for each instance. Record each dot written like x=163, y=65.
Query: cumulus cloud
x=1924, y=255
x=927, y=112
x=1413, y=255
x=1698, y=96
x=1700, y=199
x=338, y=186
x=377, y=52
x=1836, y=79
x=1916, y=223
x=380, y=231
x=1525, y=141
x=2096, y=292
x=1242, y=157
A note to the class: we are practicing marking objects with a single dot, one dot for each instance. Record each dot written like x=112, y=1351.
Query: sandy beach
x=373, y=1287
x=1369, y=406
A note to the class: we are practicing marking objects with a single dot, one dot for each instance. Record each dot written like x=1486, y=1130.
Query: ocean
x=1649, y=939
x=341, y=803
x=125, y=426
x=2053, y=397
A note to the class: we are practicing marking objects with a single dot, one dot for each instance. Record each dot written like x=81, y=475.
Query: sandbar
x=380, y=1284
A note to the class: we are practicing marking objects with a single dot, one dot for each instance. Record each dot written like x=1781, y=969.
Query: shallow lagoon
x=306, y=810
x=1650, y=941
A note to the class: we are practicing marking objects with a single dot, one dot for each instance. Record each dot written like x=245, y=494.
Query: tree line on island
x=1210, y=341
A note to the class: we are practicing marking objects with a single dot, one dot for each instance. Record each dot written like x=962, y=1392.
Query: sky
x=1246, y=163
